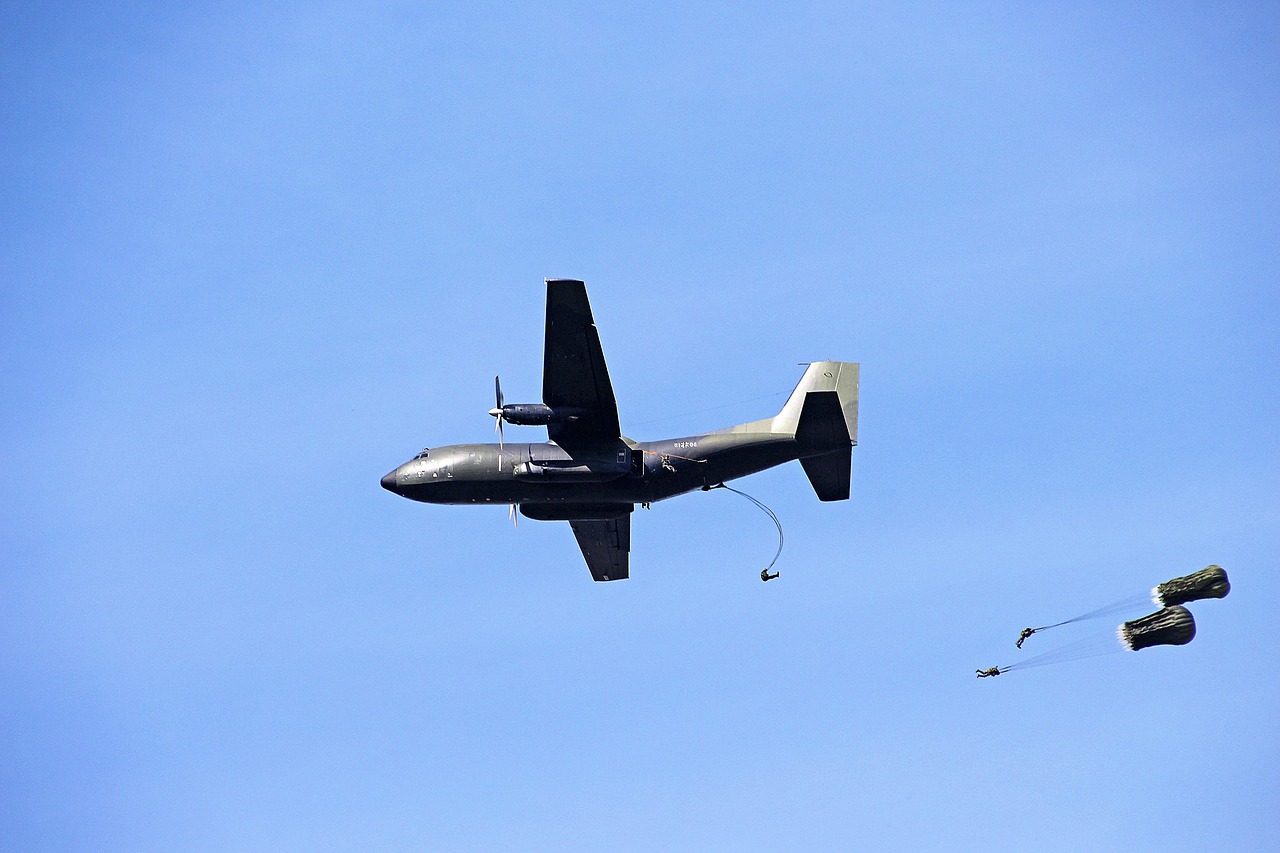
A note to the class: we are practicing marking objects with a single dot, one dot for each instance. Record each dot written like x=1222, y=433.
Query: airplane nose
x=389, y=481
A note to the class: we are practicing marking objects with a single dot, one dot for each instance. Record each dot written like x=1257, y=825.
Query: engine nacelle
x=538, y=414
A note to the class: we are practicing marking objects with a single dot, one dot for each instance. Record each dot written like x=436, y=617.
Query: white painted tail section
x=839, y=376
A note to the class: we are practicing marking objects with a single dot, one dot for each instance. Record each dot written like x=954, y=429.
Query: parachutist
x=764, y=573
x=666, y=464
x=1026, y=632
x=987, y=673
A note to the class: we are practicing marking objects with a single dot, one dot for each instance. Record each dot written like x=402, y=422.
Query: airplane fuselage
x=625, y=473
x=592, y=476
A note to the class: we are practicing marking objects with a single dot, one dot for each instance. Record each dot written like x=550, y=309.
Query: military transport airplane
x=592, y=476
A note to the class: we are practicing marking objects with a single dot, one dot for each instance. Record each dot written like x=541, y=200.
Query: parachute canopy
x=1172, y=626
x=1209, y=582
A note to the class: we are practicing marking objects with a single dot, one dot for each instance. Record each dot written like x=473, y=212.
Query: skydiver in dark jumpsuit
x=1026, y=632
x=987, y=673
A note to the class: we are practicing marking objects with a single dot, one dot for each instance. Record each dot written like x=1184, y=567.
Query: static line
x=771, y=514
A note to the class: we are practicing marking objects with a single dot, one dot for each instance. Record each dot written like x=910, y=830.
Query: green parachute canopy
x=1209, y=582
x=1172, y=626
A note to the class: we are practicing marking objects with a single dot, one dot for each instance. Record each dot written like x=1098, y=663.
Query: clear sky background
x=253, y=259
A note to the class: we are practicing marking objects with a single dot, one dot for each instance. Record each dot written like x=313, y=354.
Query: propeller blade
x=514, y=516
x=496, y=411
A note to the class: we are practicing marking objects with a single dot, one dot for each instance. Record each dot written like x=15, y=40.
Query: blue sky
x=253, y=259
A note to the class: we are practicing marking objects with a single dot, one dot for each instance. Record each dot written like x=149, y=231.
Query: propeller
x=496, y=411
x=514, y=516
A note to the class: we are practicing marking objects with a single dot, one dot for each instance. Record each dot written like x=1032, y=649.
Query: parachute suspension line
x=764, y=574
x=1121, y=606
x=1089, y=647
x=1209, y=582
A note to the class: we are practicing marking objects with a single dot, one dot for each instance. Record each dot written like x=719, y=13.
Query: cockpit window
x=423, y=453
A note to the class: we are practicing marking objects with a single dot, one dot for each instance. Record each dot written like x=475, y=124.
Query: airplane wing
x=573, y=370
x=606, y=543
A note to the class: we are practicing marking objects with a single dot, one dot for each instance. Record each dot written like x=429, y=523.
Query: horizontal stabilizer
x=829, y=474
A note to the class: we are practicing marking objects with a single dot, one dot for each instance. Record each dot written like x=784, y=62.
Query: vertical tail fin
x=825, y=445
x=839, y=376
x=822, y=415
